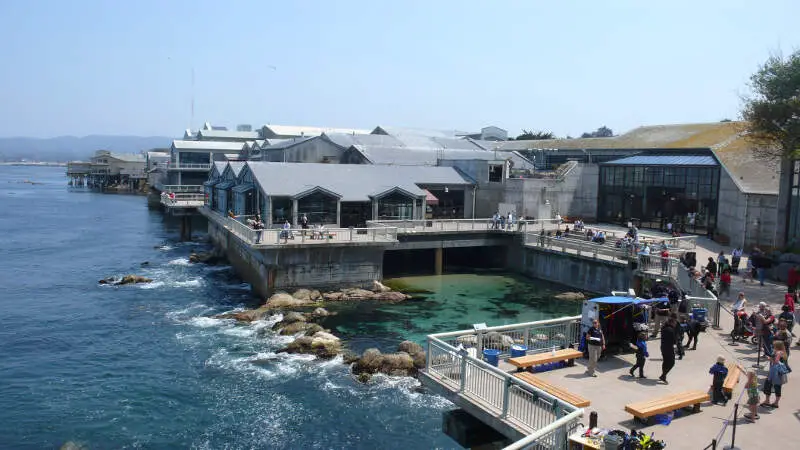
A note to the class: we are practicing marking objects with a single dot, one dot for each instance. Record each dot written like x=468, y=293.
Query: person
x=680, y=329
x=286, y=232
x=664, y=260
x=502, y=222
x=776, y=378
x=725, y=283
x=258, y=225
x=304, y=222
x=596, y=343
x=667, y=349
x=718, y=372
x=641, y=354
x=510, y=220
x=711, y=267
x=752, y=396
x=739, y=304
x=749, y=271
x=787, y=317
x=789, y=300
x=783, y=339
x=792, y=279
x=661, y=312
x=231, y=214
x=693, y=331
x=766, y=319
x=495, y=220
x=736, y=258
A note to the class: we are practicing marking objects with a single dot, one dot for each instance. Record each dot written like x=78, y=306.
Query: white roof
x=219, y=146
x=291, y=130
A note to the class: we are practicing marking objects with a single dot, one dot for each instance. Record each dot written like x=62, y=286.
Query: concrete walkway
x=613, y=388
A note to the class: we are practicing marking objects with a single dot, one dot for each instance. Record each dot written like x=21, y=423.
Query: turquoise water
x=147, y=366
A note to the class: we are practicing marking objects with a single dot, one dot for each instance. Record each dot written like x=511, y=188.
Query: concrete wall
x=748, y=220
x=579, y=272
x=574, y=196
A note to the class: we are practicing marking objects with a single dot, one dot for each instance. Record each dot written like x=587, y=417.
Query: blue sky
x=107, y=67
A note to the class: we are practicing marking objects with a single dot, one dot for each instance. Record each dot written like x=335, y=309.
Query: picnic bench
x=734, y=371
x=567, y=354
x=555, y=391
x=647, y=409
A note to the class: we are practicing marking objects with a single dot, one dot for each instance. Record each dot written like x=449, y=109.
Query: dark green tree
x=772, y=110
x=530, y=135
x=603, y=131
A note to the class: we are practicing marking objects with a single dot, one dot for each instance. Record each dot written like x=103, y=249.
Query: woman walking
x=776, y=377
x=667, y=349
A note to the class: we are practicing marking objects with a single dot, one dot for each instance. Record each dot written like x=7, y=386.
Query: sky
x=84, y=67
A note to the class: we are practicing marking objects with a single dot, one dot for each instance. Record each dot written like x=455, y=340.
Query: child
x=641, y=354
x=748, y=274
x=720, y=372
x=752, y=396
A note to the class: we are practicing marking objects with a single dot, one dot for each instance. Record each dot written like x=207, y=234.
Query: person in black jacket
x=711, y=266
x=667, y=349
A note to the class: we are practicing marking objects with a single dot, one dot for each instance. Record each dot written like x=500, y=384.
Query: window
x=319, y=207
x=281, y=210
x=395, y=206
x=495, y=173
x=194, y=158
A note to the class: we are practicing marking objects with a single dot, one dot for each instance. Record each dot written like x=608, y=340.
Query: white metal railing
x=453, y=360
x=273, y=236
x=182, y=166
x=578, y=246
x=187, y=188
x=655, y=264
x=440, y=225
x=553, y=436
x=182, y=200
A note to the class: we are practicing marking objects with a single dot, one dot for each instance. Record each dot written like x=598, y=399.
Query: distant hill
x=68, y=148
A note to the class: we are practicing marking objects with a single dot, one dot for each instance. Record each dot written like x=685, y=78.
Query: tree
x=772, y=111
x=601, y=132
x=530, y=135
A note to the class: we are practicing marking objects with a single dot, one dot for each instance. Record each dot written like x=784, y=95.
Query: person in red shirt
x=793, y=279
x=788, y=300
x=725, y=284
x=664, y=260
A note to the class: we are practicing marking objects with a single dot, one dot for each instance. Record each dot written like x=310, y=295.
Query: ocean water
x=147, y=366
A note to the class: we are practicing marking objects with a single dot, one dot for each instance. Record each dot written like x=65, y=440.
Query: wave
x=208, y=322
x=179, y=262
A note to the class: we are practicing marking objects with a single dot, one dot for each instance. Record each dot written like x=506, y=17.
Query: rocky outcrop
x=323, y=345
x=248, y=315
x=377, y=286
x=491, y=339
x=409, y=359
x=205, y=258
x=127, y=279
x=284, y=300
x=571, y=296
x=355, y=294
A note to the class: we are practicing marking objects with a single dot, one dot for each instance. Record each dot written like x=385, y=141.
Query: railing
x=186, y=188
x=183, y=166
x=655, y=264
x=183, y=200
x=275, y=236
x=553, y=436
x=133, y=173
x=578, y=246
x=452, y=361
x=440, y=225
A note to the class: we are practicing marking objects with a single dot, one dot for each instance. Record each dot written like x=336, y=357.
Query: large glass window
x=653, y=196
x=319, y=207
x=395, y=206
x=281, y=210
x=194, y=158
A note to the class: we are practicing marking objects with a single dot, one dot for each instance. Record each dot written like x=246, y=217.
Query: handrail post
x=428, y=356
x=560, y=432
x=463, y=372
x=506, y=397
x=351, y=234
x=526, y=336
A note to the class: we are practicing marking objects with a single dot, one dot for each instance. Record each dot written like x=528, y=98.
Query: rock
x=293, y=328
x=144, y=264
x=364, y=377
x=248, y=315
x=70, y=445
x=570, y=296
x=377, y=286
x=468, y=340
x=315, y=295
x=303, y=295
x=494, y=339
x=313, y=328
x=283, y=300
x=357, y=294
x=349, y=357
x=322, y=344
x=416, y=352
x=127, y=279
x=332, y=296
x=205, y=258
x=321, y=312
x=293, y=316
x=395, y=364
x=391, y=296
x=324, y=335
x=109, y=280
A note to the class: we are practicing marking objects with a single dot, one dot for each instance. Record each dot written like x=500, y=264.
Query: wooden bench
x=734, y=372
x=567, y=354
x=647, y=409
x=553, y=390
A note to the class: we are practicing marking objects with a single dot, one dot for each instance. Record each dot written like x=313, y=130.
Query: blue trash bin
x=699, y=314
x=491, y=356
x=518, y=350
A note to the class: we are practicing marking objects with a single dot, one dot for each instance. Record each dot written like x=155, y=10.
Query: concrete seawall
x=579, y=272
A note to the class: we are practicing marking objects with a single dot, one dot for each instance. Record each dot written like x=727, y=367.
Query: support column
x=437, y=261
x=186, y=228
x=414, y=210
x=338, y=213
x=294, y=213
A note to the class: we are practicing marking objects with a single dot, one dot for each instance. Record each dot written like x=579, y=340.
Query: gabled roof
x=422, y=132
x=304, y=131
x=236, y=167
x=353, y=182
x=429, y=156
x=222, y=135
x=217, y=146
x=124, y=157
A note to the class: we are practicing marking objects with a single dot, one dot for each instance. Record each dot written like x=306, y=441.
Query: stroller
x=744, y=328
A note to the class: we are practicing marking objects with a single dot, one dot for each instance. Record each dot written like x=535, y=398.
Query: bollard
x=593, y=420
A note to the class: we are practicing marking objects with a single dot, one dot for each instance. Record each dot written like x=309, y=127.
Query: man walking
x=667, y=349
x=596, y=343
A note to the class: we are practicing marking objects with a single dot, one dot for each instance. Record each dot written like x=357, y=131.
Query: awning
x=626, y=300
x=224, y=185
x=244, y=187
x=430, y=199
x=210, y=183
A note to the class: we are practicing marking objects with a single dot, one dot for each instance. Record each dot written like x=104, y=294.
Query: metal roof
x=429, y=156
x=236, y=167
x=353, y=182
x=219, y=146
x=224, y=134
x=290, y=130
x=665, y=160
